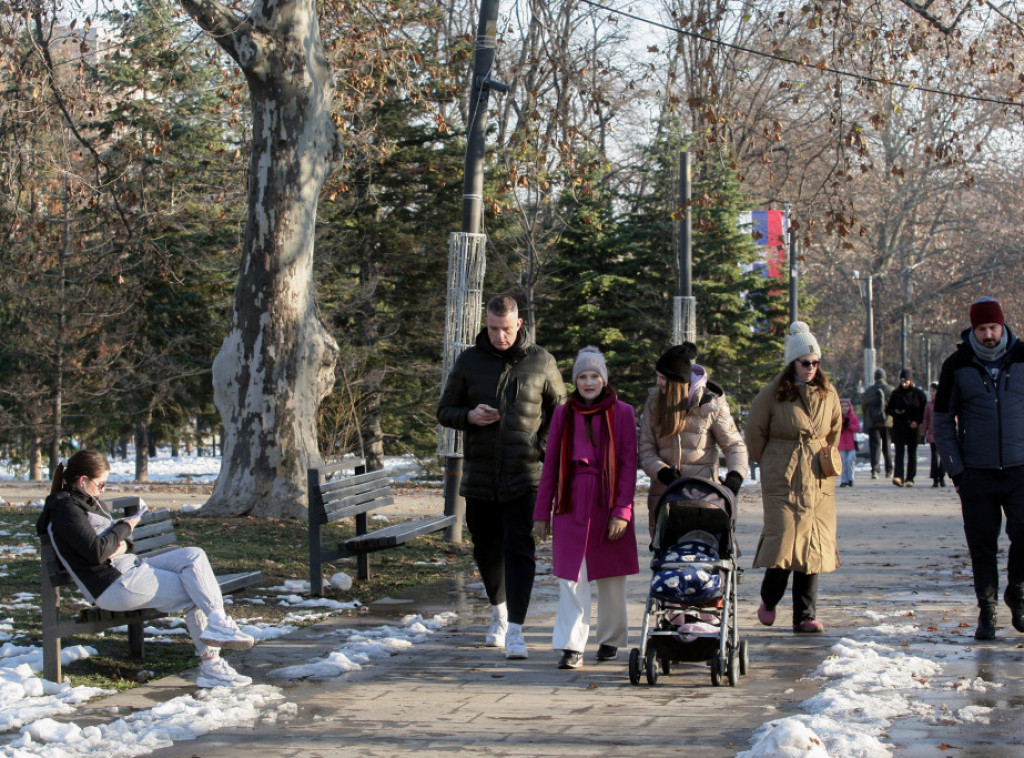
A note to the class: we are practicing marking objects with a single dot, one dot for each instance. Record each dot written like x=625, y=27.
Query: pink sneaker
x=809, y=626
x=766, y=615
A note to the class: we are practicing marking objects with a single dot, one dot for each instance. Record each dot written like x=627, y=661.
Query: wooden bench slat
x=397, y=534
x=352, y=464
x=342, y=498
x=234, y=582
x=357, y=483
x=355, y=508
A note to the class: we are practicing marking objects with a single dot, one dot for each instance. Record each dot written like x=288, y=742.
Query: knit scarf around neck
x=989, y=354
x=605, y=407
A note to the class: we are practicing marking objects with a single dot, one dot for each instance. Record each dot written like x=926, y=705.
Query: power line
x=816, y=66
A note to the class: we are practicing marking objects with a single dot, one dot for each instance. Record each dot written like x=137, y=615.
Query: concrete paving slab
x=900, y=548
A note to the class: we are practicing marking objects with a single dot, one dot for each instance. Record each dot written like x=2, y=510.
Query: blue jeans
x=849, y=461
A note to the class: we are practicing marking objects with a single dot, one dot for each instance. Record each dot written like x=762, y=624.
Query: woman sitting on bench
x=96, y=550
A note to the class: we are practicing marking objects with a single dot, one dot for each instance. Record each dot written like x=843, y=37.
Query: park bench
x=153, y=535
x=333, y=496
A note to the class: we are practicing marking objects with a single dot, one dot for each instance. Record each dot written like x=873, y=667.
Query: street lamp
x=866, y=282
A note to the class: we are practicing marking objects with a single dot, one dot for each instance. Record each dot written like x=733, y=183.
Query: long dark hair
x=88, y=463
x=788, y=391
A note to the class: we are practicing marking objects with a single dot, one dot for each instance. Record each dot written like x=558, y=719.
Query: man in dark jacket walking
x=906, y=406
x=978, y=412
x=877, y=423
x=501, y=393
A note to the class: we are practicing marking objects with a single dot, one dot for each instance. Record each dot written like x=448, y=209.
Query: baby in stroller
x=694, y=589
x=691, y=607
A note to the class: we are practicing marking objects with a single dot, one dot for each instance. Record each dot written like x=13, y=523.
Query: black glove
x=733, y=481
x=668, y=475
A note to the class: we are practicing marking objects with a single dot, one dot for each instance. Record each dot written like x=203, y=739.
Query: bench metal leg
x=316, y=572
x=50, y=606
x=363, y=559
x=136, y=638
x=51, y=655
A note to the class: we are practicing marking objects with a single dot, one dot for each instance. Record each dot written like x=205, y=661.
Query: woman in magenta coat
x=588, y=481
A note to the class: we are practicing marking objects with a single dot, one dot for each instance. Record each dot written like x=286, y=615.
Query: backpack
x=876, y=408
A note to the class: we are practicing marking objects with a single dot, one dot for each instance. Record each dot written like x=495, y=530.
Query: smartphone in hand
x=489, y=409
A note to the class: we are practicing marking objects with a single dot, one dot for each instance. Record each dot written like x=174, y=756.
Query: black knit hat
x=674, y=363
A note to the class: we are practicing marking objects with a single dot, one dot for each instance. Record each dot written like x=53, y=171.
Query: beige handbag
x=828, y=456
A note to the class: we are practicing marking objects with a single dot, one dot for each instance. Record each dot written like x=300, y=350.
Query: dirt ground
x=410, y=500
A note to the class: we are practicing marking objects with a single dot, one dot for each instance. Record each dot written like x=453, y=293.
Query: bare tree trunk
x=142, y=450
x=277, y=361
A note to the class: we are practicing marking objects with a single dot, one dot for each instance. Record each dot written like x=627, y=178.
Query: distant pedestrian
x=789, y=421
x=585, y=502
x=686, y=421
x=938, y=475
x=978, y=410
x=906, y=407
x=501, y=393
x=848, y=441
x=878, y=423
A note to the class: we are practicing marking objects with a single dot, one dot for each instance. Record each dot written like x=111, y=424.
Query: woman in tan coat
x=685, y=421
x=789, y=421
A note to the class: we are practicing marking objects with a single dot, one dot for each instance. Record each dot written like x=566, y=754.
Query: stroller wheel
x=716, y=671
x=651, y=666
x=744, y=658
x=733, y=671
x=634, y=666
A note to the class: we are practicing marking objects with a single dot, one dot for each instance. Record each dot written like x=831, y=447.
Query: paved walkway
x=452, y=696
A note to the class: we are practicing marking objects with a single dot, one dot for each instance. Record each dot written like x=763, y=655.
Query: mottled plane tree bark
x=277, y=361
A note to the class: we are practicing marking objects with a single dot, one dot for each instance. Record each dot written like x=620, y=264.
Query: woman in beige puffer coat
x=680, y=438
x=789, y=421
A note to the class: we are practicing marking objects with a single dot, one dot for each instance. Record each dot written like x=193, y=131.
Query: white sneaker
x=499, y=627
x=515, y=645
x=226, y=634
x=215, y=672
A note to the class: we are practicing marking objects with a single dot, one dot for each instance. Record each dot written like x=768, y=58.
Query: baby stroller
x=691, y=607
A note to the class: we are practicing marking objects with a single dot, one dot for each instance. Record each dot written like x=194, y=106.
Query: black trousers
x=504, y=551
x=805, y=591
x=907, y=450
x=878, y=441
x=985, y=495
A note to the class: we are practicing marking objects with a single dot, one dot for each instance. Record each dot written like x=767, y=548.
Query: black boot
x=986, y=624
x=1014, y=597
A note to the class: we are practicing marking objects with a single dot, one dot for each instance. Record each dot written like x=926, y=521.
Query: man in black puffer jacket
x=979, y=409
x=501, y=394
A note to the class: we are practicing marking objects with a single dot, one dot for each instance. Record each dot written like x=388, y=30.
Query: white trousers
x=177, y=580
x=572, y=625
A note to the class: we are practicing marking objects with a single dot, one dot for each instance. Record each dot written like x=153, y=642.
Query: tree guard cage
x=466, y=266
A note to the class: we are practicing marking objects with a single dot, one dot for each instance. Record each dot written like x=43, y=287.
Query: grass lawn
x=277, y=547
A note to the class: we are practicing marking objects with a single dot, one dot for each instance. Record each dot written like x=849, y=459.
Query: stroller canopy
x=693, y=503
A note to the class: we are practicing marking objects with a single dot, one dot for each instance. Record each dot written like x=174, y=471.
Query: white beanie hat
x=800, y=342
x=590, y=359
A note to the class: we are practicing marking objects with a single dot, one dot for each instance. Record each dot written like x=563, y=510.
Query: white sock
x=515, y=628
x=499, y=612
x=216, y=617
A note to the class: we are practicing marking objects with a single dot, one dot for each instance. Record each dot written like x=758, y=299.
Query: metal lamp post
x=866, y=282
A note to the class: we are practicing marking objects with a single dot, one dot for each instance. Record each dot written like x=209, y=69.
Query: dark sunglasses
x=809, y=364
